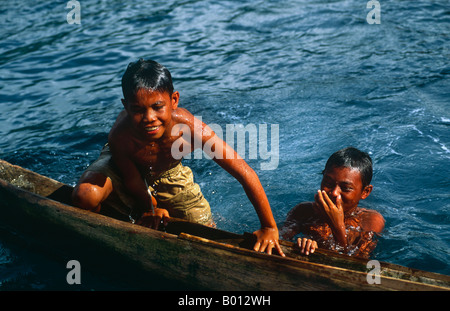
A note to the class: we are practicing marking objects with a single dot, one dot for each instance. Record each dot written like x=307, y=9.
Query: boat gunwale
x=133, y=229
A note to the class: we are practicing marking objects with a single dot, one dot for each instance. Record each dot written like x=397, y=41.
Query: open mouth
x=151, y=129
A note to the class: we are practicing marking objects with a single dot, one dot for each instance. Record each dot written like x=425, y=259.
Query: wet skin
x=336, y=204
x=141, y=138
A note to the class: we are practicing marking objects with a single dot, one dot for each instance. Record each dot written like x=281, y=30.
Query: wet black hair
x=352, y=158
x=146, y=74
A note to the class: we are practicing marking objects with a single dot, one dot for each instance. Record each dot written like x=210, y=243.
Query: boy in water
x=334, y=221
x=139, y=160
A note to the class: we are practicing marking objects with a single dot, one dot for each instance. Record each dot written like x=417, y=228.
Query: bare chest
x=154, y=157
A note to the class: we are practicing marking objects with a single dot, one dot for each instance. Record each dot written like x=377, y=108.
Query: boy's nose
x=150, y=115
x=335, y=192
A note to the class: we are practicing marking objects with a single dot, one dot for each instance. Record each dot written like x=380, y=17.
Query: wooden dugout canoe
x=195, y=255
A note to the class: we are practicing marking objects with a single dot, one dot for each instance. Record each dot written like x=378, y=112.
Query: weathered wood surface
x=190, y=253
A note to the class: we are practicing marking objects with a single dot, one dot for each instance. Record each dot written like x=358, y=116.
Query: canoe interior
x=40, y=190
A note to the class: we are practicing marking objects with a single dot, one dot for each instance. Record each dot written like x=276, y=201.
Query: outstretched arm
x=229, y=160
x=267, y=236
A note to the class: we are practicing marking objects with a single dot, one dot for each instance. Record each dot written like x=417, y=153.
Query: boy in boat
x=335, y=221
x=139, y=160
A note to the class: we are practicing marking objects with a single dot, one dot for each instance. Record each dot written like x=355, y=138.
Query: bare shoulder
x=372, y=220
x=119, y=125
x=301, y=211
x=183, y=116
x=295, y=218
x=197, y=126
x=119, y=135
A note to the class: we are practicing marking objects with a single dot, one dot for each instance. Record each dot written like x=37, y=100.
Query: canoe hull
x=191, y=259
x=196, y=256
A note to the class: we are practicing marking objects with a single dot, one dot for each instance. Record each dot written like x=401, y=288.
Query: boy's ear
x=175, y=99
x=124, y=103
x=367, y=190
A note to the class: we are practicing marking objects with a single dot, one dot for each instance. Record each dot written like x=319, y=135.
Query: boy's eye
x=346, y=188
x=158, y=105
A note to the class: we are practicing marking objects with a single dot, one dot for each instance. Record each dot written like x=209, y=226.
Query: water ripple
x=314, y=67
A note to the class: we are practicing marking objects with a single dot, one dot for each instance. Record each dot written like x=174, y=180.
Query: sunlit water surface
x=316, y=69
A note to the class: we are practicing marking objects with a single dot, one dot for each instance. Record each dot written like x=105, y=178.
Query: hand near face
x=326, y=207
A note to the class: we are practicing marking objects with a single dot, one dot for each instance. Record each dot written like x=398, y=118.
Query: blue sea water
x=316, y=68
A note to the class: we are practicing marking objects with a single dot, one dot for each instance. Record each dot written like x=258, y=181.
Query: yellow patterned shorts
x=173, y=189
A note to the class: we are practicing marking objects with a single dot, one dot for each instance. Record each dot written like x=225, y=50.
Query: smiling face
x=347, y=183
x=150, y=112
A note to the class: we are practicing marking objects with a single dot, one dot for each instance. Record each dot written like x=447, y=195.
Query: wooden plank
x=195, y=254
